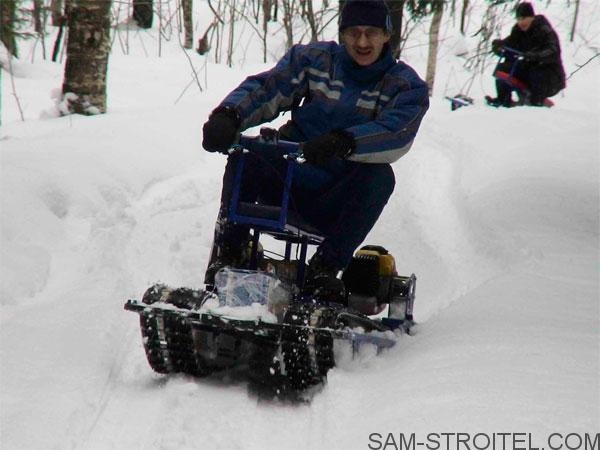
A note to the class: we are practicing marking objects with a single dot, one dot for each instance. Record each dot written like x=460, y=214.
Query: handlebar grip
x=256, y=143
x=513, y=51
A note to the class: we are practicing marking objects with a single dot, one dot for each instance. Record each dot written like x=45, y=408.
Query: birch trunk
x=88, y=47
x=187, y=7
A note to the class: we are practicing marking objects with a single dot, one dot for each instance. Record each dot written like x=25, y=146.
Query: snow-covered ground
x=496, y=211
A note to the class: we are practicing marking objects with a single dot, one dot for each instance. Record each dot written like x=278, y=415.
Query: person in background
x=354, y=111
x=540, y=66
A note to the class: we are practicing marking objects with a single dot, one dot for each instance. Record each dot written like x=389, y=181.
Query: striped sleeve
x=260, y=98
x=389, y=137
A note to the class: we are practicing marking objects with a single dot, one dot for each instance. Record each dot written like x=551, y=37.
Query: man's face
x=524, y=22
x=364, y=44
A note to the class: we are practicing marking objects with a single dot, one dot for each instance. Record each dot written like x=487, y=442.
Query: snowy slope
x=496, y=211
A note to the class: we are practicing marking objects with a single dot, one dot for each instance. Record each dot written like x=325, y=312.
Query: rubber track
x=169, y=345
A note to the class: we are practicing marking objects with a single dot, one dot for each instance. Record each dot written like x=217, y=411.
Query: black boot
x=231, y=248
x=536, y=100
x=322, y=281
x=492, y=101
x=227, y=256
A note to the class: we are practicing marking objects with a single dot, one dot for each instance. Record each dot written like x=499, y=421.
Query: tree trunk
x=396, y=11
x=56, y=10
x=143, y=13
x=88, y=47
x=265, y=29
x=39, y=22
x=341, y=5
x=310, y=17
x=60, y=12
x=231, y=33
x=463, y=16
x=37, y=16
x=8, y=20
x=574, y=27
x=56, y=47
x=434, y=33
x=288, y=14
x=267, y=6
x=187, y=7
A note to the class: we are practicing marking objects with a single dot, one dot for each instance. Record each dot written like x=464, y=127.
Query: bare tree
x=59, y=11
x=309, y=14
x=267, y=9
x=8, y=22
x=188, y=26
x=478, y=61
x=463, y=16
x=38, y=16
x=575, y=16
x=288, y=22
x=231, y=33
x=267, y=4
x=14, y=88
x=56, y=11
x=434, y=32
x=39, y=23
x=88, y=47
x=396, y=8
x=261, y=31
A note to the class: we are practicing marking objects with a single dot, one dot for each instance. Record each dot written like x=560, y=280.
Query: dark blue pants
x=342, y=200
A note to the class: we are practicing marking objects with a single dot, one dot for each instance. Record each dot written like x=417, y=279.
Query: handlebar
x=514, y=52
x=268, y=139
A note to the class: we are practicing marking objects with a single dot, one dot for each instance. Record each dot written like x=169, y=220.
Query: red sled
x=520, y=87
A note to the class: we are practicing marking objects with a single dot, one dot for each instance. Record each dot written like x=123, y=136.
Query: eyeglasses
x=371, y=33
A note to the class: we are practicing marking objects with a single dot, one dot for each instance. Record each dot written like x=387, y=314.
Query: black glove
x=321, y=149
x=219, y=133
x=497, y=46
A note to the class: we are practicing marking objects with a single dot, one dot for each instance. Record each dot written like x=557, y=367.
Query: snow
x=496, y=211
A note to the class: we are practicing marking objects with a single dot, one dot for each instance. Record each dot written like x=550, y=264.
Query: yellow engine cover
x=387, y=263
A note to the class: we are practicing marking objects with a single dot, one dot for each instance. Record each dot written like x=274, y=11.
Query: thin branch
x=14, y=88
x=192, y=66
x=217, y=15
x=582, y=65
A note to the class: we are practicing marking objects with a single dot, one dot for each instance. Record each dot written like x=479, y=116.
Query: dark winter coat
x=542, y=51
x=381, y=105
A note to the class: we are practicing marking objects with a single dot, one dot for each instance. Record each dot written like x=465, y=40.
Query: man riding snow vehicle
x=325, y=177
x=354, y=111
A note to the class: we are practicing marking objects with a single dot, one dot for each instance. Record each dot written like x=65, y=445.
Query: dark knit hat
x=373, y=13
x=524, y=9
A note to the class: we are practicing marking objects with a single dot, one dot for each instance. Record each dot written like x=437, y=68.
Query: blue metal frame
x=291, y=152
x=249, y=220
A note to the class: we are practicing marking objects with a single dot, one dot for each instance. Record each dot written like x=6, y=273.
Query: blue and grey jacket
x=381, y=105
